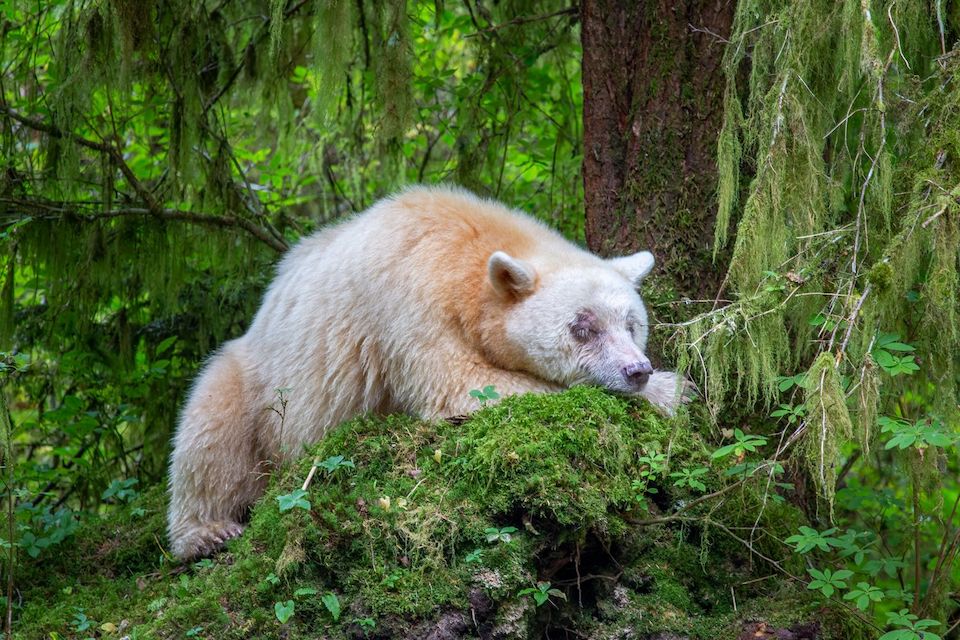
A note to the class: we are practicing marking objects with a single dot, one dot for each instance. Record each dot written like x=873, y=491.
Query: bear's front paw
x=666, y=390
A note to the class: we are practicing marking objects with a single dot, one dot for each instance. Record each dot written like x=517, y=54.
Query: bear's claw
x=205, y=539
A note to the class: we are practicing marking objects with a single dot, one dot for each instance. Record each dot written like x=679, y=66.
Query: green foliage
x=157, y=160
x=653, y=466
x=121, y=490
x=485, y=395
x=333, y=463
x=690, y=478
x=911, y=627
x=863, y=594
x=809, y=539
x=332, y=604
x=474, y=556
x=836, y=158
x=81, y=622
x=743, y=444
x=827, y=582
x=884, y=353
x=920, y=434
x=294, y=500
x=542, y=593
x=499, y=534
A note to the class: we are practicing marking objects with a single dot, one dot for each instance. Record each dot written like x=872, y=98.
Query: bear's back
x=404, y=262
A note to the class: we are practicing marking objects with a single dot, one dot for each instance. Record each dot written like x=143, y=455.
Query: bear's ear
x=634, y=268
x=511, y=277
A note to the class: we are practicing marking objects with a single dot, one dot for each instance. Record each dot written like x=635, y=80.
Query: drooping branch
x=152, y=207
x=52, y=210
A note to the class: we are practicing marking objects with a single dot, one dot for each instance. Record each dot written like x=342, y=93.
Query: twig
x=947, y=548
x=575, y=9
x=255, y=39
x=823, y=431
x=782, y=570
x=847, y=466
x=313, y=471
x=49, y=129
x=916, y=545
x=717, y=36
x=896, y=33
x=152, y=206
x=686, y=507
x=933, y=217
x=851, y=321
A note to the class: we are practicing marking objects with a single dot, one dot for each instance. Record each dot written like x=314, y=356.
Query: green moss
x=880, y=276
x=391, y=535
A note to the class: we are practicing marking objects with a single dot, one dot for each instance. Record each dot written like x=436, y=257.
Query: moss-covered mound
x=527, y=519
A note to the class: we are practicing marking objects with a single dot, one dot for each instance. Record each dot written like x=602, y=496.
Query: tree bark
x=652, y=107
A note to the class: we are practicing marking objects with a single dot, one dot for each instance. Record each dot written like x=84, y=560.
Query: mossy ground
x=401, y=539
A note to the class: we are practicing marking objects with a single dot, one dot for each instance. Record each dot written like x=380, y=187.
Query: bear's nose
x=637, y=373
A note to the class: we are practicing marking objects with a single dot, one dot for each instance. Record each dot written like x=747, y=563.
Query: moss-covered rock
x=417, y=529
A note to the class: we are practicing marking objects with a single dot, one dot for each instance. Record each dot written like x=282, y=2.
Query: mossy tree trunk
x=652, y=106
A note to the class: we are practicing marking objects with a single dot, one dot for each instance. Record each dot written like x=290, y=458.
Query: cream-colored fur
x=406, y=307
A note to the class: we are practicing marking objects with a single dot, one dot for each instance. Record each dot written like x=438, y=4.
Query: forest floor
x=532, y=518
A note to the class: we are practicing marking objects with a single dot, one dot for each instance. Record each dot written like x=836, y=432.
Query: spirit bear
x=404, y=308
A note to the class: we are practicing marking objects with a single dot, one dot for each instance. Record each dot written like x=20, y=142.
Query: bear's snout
x=637, y=373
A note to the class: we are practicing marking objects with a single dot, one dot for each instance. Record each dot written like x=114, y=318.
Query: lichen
x=828, y=425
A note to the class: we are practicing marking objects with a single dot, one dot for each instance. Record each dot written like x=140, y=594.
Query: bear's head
x=578, y=323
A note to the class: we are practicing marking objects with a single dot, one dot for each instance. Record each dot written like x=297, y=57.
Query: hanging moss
x=729, y=157
x=828, y=425
x=867, y=402
x=392, y=50
x=333, y=51
x=848, y=130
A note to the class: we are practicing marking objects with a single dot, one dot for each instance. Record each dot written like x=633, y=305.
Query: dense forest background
x=795, y=166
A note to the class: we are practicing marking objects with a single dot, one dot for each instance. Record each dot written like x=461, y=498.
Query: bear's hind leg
x=215, y=470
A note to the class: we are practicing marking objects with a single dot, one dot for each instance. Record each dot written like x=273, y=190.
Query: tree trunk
x=652, y=106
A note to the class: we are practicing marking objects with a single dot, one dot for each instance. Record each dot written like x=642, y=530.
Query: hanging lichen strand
x=840, y=156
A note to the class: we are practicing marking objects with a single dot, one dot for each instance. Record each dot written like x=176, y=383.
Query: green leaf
x=864, y=594
x=332, y=603
x=333, y=463
x=828, y=582
x=166, y=344
x=294, y=500
x=809, y=539
x=283, y=611
x=475, y=556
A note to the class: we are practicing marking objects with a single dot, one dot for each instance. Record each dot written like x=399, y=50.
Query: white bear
x=404, y=308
